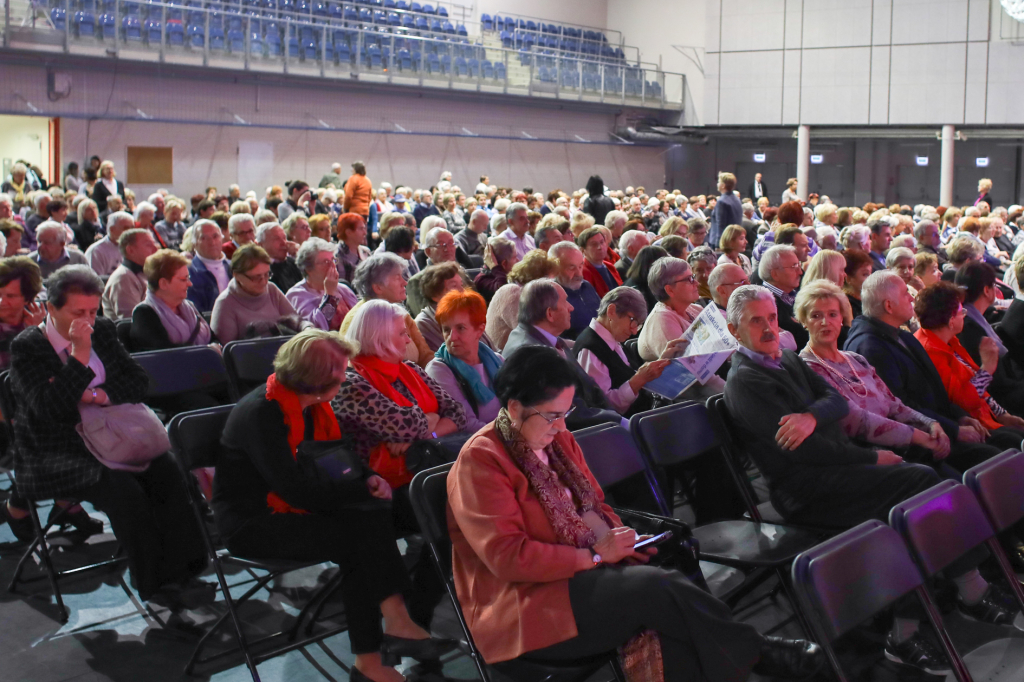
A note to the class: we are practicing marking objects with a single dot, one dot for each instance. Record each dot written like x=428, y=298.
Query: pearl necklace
x=854, y=384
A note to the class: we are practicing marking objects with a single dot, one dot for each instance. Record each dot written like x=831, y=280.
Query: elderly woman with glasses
x=465, y=364
x=250, y=306
x=316, y=298
x=599, y=349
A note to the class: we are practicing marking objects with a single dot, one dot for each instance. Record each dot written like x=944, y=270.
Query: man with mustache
x=788, y=419
x=581, y=294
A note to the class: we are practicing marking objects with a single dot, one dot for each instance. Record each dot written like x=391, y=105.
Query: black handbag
x=330, y=459
x=432, y=452
x=681, y=551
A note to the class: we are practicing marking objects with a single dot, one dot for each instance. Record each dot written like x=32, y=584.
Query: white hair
x=743, y=296
x=497, y=221
x=878, y=288
x=372, y=327
x=117, y=216
x=236, y=220
x=144, y=207
x=263, y=230
x=51, y=226
x=559, y=250
x=613, y=216
x=431, y=222
x=431, y=237
x=630, y=237
x=897, y=253
x=306, y=256
x=771, y=259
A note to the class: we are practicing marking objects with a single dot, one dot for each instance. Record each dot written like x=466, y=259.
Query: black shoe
x=917, y=652
x=991, y=608
x=393, y=649
x=22, y=528
x=791, y=659
x=355, y=676
x=79, y=520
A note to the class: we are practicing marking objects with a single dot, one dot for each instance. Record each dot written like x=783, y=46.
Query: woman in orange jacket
x=358, y=192
x=939, y=309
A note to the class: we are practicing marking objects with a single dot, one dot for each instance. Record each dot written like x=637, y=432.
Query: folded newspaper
x=710, y=344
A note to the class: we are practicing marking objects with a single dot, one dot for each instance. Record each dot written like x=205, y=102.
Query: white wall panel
x=928, y=21
x=752, y=25
x=978, y=19
x=712, y=23
x=919, y=72
x=837, y=23
x=835, y=85
x=879, y=90
x=752, y=91
x=1005, y=94
x=881, y=21
x=711, y=85
x=977, y=82
x=791, y=87
x=794, y=24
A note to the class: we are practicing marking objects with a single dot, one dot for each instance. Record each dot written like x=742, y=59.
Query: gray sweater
x=234, y=309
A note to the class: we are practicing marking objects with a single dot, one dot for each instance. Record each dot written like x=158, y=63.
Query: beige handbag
x=125, y=437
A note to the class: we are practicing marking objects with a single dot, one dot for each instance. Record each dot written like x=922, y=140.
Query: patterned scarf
x=641, y=655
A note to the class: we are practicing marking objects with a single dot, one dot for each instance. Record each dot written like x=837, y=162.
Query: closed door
x=917, y=184
x=773, y=175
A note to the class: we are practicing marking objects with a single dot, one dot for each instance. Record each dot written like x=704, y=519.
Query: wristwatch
x=596, y=557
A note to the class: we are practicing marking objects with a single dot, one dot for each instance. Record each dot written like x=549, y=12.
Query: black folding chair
x=941, y=525
x=195, y=443
x=124, y=333
x=681, y=433
x=39, y=546
x=250, y=362
x=181, y=370
x=428, y=494
x=847, y=579
x=613, y=457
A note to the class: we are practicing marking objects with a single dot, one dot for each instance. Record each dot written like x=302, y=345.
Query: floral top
x=370, y=418
x=876, y=415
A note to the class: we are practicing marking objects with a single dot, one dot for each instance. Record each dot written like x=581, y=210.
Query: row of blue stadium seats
x=630, y=87
x=498, y=23
x=300, y=6
x=519, y=40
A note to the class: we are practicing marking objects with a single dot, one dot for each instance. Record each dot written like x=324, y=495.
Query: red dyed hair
x=791, y=212
x=466, y=301
x=346, y=222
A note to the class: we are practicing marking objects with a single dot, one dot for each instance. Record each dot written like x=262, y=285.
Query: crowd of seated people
x=880, y=350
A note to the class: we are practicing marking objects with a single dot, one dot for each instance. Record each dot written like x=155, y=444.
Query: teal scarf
x=491, y=362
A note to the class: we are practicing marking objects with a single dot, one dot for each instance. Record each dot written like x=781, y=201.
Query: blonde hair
x=535, y=265
x=727, y=243
x=671, y=227
x=826, y=265
x=303, y=366
x=820, y=290
x=580, y=222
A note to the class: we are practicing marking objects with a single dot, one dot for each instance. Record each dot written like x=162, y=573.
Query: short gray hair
x=430, y=223
x=263, y=230
x=718, y=274
x=431, y=236
x=877, y=289
x=771, y=260
x=502, y=248
x=627, y=239
x=51, y=226
x=118, y=215
x=236, y=220
x=663, y=272
x=921, y=227
x=306, y=256
x=704, y=253
x=614, y=216
x=144, y=207
x=512, y=208
x=744, y=295
x=72, y=279
x=497, y=220
x=627, y=301
x=536, y=298
x=128, y=238
x=558, y=250
x=374, y=270
x=371, y=327
x=895, y=254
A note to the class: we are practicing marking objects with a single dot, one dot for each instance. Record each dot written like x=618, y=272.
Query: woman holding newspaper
x=675, y=287
x=600, y=353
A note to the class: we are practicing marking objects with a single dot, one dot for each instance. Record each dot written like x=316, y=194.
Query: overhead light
x=817, y=158
x=981, y=162
x=922, y=160
x=759, y=158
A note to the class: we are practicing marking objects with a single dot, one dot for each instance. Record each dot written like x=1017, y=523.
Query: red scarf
x=325, y=427
x=382, y=375
x=156, y=235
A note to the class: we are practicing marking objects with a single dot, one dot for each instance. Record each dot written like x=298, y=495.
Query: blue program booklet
x=673, y=381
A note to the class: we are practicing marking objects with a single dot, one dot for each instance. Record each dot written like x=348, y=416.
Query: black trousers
x=427, y=588
x=1005, y=438
x=360, y=542
x=151, y=518
x=846, y=495
x=699, y=638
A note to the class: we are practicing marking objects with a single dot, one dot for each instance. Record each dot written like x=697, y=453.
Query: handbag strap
x=199, y=323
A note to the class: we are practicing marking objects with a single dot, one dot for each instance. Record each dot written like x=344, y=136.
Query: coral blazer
x=511, y=575
x=956, y=377
x=591, y=274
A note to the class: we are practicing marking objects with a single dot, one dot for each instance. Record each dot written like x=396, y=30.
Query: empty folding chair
x=942, y=525
x=179, y=378
x=249, y=363
x=487, y=22
x=488, y=70
x=217, y=38
x=499, y=71
x=428, y=494
x=428, y=9
x=85, y=23
x=848, y=579
x=998, y=483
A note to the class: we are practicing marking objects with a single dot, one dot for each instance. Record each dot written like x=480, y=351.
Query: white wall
x=24, y=137
x=877, y=62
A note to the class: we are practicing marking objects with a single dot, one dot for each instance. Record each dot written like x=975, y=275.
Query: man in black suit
x=903, y=364
x=78, y=361
x=757, y=189
x=978, y=282
x=780, y=271
x=544, y=314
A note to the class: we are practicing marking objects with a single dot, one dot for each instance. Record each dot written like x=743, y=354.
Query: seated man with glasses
x=780, y=271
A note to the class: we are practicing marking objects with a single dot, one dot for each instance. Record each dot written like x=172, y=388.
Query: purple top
x=876, y=415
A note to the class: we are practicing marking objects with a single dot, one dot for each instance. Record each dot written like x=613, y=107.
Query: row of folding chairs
x=498, y=23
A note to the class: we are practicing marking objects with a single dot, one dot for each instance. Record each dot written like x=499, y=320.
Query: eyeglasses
x=265, y=277
x=740, y=283
x=689, y=279
x=552, y=420
x=794, y=266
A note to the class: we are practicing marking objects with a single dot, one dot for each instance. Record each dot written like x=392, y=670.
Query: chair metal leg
x=44, y=554
x=616, y=667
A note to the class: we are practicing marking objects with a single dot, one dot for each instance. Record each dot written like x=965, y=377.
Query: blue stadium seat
x=461, y=30
x=301, y=6
x=85, y=23
x=415, y=7
x=351, y=14
x=402, y=5
x=107, y=25
x=461, y=67
x=428, y=9
x=435, y=26
x=433, y=63
x=132, y=28
x=380, y=17
x=335, y=12
x=487, y=22
x=365, y=16
x=404, y=60
x=446, y=64
x=217, y=38
x=236, y=40
x=441, y=11
x=59, y=17
x=487, y=69
x=293, y=47
x=394, y=20
x=499, y=71
x=152, y=31
x=175, y=33
x=390, y=4
x=255, y=44
x=195, y=35
x=373, y=55
x=448, y=28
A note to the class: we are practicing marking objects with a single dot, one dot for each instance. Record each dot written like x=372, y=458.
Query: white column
x=803, y=160
x=946, y=178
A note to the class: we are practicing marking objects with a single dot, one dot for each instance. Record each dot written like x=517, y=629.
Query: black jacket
x=758, y=398
x=1007, y=386
x=149, y=333
x=788, y=321
x=598, y=206
x=51, y=459
x=904, y=366
x=285, y=274
x=100, y=193
x=1011, y=331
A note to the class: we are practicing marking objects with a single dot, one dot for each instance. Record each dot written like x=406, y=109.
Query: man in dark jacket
x=779, y=270
x=597, y=204
x=728, y=210
x=543, y=316
x=904, y=366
